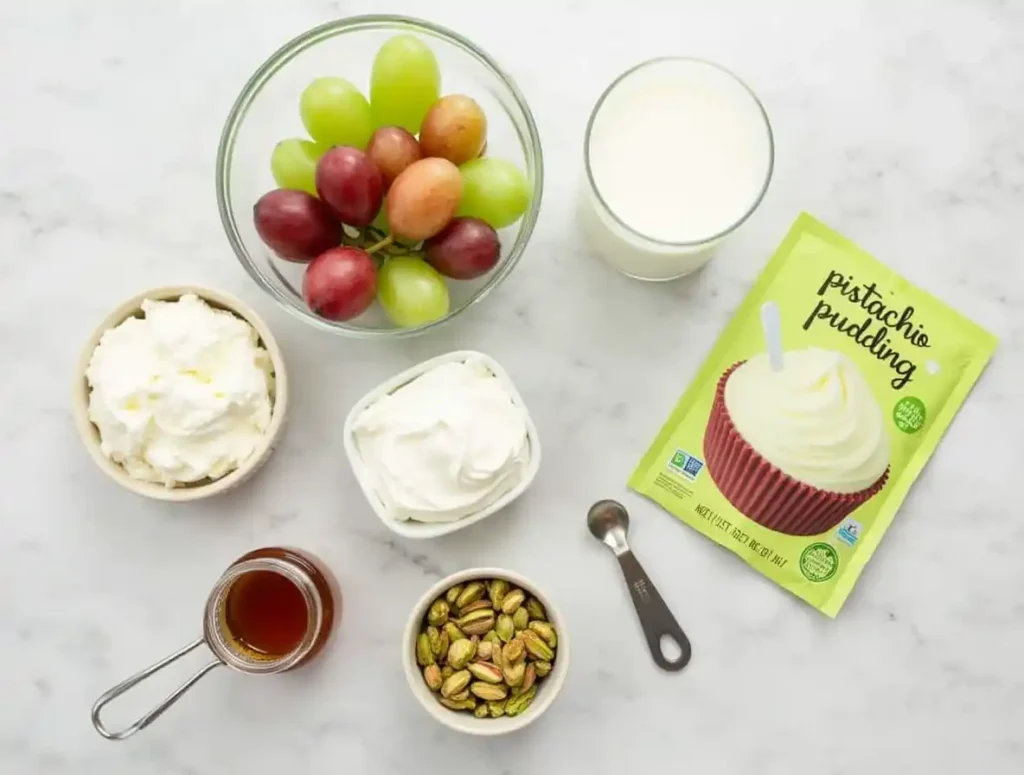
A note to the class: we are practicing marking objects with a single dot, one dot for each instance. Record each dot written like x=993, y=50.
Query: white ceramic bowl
x=189, y=492
x=461, y=721
x=365, y=478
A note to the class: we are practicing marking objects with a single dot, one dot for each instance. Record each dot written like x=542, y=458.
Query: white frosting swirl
x=445, y=445
x=816, y=419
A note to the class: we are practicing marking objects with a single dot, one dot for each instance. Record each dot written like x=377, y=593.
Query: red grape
x=454, y=128
x=393, y=149
x=423, y=199
x=340, y=283
x=351, y=184
x=295, y=225
x=466, y=248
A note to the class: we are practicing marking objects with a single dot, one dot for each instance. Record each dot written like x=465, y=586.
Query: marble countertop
x=899, y=124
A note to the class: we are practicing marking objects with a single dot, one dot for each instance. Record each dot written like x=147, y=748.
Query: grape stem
x=380, y=245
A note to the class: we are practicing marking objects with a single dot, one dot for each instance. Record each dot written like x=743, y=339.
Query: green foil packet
x=797, y=457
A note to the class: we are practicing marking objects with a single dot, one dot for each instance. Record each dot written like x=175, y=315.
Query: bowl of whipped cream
x=180, y=393
x=442, y=445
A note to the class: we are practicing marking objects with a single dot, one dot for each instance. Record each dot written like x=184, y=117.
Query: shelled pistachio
x=536, y=610
x=521, y=619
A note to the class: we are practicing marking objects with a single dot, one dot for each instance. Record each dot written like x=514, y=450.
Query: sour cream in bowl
x=442, y=445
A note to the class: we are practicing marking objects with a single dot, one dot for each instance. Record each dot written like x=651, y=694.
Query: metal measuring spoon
x=608, y=521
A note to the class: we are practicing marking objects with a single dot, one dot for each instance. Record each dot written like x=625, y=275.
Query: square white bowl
x=412, y=529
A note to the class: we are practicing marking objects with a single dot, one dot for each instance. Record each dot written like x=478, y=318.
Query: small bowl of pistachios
x=485, y=651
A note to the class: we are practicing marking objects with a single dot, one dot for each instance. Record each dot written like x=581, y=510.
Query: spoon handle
x=655, y=618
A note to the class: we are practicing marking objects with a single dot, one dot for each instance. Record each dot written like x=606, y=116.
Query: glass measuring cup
x=271, y=611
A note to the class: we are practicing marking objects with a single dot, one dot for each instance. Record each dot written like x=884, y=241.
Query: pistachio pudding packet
x=815, y=411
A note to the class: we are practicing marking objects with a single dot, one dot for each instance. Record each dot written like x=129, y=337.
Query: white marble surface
x=901, y=124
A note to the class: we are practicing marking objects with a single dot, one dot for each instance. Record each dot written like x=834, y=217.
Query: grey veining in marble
x=901, y=124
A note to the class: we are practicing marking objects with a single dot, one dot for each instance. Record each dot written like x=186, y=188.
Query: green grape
x=335, y=112
x=293, y=164
x=411, y=291
x=381, y=221
x=493, y=190
x=404, y=83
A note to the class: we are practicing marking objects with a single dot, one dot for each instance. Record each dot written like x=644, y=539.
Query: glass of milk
x=678, y=153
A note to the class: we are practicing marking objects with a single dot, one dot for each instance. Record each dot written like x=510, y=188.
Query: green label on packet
x=798, y=459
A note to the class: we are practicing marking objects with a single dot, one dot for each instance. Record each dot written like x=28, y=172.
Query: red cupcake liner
x=761, y=491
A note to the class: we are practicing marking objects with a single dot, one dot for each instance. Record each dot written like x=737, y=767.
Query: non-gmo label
x=685, y=464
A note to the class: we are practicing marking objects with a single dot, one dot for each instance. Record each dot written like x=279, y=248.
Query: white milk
x=678, y=154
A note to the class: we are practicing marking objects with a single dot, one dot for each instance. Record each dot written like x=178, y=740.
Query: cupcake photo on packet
x=797, y=447
x=817, y=408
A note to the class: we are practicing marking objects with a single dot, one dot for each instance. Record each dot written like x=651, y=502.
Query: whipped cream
x=445, y=445
x=181, y=394
x=816, y=419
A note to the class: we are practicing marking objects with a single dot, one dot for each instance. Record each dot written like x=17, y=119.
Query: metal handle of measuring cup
x=142, y=675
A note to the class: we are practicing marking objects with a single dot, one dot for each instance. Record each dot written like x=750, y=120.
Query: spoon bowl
x=608, y=522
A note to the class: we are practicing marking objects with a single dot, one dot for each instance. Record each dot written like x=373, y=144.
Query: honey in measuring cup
x=272, y=610
x=273, y=606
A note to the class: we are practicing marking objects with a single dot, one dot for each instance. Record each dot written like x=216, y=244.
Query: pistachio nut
x=460, y=653
x=514, y=651
x=456, y=682
x=434, y=638
x=475, y=606
x=536, y=609
x=460, y=696
x=496, y=654
x=542, y=667
x=486, y=671
x=517, y=705
x=438, y=613
x=470, y=593
x=468, y=704
x=453, y=594
x=492, y=637
x=488, y=691
x=442, y=647
x=535, y=646
x=521, y=619
x=512, y=601
x=477, y=622
x=546, y=632
x=505, y=628
x=496, y=592
x=496, y=709
x=481, y=711
x=424, y=656
x=451, y=629
x=447, y=671
x=514, y=674
x=484, y=650
x=529, y=678
x=432, y=676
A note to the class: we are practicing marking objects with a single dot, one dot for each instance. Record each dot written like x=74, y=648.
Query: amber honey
x=284, y=604
x=267, y=612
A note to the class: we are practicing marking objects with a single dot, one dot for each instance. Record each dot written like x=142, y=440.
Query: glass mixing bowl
x=267, y=111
